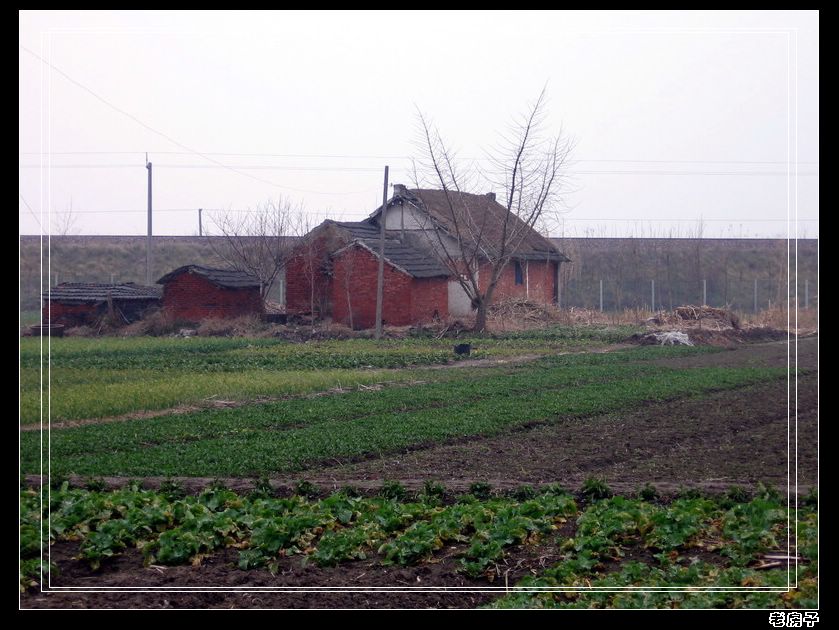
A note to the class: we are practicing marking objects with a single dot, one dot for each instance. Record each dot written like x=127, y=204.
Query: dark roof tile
x=83, y=292
x=228, y=278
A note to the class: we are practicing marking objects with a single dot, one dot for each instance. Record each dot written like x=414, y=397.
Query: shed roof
x=226, y=278
x=86, y=292
x=406, y=252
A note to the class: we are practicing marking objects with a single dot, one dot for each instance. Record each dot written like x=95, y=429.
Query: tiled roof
x=486, y=214
x=228, y=278
x=408, y=253
x=83, y=292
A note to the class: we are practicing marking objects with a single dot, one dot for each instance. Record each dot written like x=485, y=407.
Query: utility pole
x=148, y=235
x=200, y=231
x=381, y=280
x=601, y=295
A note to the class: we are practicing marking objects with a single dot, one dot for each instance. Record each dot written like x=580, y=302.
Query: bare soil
x=734, y=437
x=385, y=586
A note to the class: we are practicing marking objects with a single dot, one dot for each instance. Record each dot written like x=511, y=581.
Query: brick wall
x=429, y=299
x=69, y=314
x=299, y=278
x=538, y=281
x=406, y=300
x=190, y=297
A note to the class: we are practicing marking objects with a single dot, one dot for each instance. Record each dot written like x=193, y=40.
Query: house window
x=519, y=274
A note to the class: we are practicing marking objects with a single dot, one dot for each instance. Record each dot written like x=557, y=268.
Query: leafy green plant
x=648, y=493
x=595, y=488
x=306, y=489
x=733, y=496
x=172, y=489
x=433, y=492
x=481, y=490
x=95, y=484
x=811, y=499
x=689, y=493
x=262, y=488
x=523, y=493
x=393, y=490
x=351, y=491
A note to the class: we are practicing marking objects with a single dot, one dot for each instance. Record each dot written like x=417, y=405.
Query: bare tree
x=528, y=166
x=312, y=258
x=257, y=242
x=64, y=223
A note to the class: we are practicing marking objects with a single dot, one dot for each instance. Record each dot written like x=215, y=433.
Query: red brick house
x=333, y=272
x=193, y=293
x=86, y=303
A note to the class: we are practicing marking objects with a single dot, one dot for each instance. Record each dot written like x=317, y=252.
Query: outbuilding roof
x=406, y=252
x=92, y=292
x=227, y=278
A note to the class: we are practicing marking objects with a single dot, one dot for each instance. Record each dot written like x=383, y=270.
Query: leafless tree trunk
x=528, y=166
x=346, y=279
x=257, y=242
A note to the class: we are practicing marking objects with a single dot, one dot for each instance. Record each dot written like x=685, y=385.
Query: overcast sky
x=678, y=116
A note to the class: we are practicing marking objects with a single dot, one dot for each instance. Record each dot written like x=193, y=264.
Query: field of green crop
x=730, y=532
x=291, y=435
x=100, y=377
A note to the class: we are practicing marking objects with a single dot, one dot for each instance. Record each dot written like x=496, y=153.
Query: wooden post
x=148, y=236
x=381, y=277
x=601, y=295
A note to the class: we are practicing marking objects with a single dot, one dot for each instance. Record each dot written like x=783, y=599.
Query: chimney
x=399, y=190
x=491, y=196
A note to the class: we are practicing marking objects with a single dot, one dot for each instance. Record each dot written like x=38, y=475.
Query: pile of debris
x=702, y=325
x=522, y=311
x=699, y=316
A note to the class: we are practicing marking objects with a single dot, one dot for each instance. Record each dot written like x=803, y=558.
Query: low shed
x=85, y=303
x=193, y=293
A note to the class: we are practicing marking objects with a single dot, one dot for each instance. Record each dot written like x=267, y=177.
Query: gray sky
x=678, y=116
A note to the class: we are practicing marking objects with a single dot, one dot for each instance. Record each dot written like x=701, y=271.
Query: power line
x=369, y=169
x=165, y=136
x=325, y=212
x=696, y=220
x=124, y=211
x=400, y=157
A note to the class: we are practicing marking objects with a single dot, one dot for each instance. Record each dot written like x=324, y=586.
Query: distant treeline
x=632, y=270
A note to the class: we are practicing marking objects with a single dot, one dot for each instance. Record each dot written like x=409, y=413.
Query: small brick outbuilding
x=193, y=293
x=85, y=303
x=415, y=285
